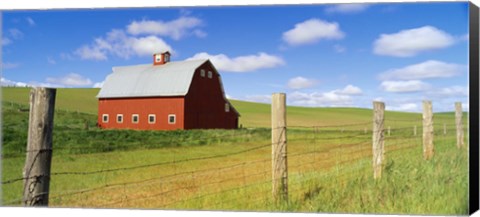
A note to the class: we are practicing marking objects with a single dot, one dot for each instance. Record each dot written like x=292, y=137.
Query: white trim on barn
x=119, y=118
x=172, y=79
x=137, y=118
x=105, y=118
x=150, y=120
x=174, y=119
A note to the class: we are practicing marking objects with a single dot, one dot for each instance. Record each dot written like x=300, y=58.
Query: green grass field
x=252, y=114
x=69, y=99
x=329, y=166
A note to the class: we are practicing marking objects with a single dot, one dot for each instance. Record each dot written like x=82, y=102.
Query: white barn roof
x=170, y=79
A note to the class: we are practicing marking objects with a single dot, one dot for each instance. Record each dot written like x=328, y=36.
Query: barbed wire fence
x=240, y=178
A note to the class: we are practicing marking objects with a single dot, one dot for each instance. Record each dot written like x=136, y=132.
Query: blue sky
x=320, y=55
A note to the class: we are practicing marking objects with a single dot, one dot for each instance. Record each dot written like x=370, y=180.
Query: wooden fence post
x=378, y=138
x=36, y=172
x=459, y=124
x=279, y=148
x=428, y=149
x=389, y=129
x=444, y=129
x=415, y=130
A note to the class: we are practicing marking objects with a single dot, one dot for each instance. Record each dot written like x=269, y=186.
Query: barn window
x=167, y=58
x=202, y=72
x=227, y=107
x=209, y=74
x=105, y=118
x=151, y=119
x=120, y=118
x=135, y=118
x=171, y=119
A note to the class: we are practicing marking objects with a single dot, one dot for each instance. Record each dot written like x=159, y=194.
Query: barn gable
x=171, y=79
x=165, y=96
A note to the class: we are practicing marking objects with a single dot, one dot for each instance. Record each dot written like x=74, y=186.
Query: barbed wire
x=22, y=105
x=360, y=134
x=405, y=120
x=223, y=191
x=306, y=162
x=161, y=163
x=142, y=166
x=181, y=188
x=178, y=175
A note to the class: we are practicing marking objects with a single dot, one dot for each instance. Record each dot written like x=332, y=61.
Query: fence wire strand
x=314, y=154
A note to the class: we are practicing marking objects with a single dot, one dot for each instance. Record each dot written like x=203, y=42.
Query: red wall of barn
x=160, y=106
x=205, y=104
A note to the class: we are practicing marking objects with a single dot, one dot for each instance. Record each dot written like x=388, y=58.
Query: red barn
x=165, y=96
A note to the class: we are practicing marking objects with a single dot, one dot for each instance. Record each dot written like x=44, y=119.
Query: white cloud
x=42, y=84
x=71, y=79
x=453, y=91
x=407, y=107
x=464, y=37
x=5, y=82
x=199, y=33
x=406, y=102
x=241, y=63
x=427, y=69
x=6, y=41
x=404, y=86
x=149, y=45
x=140, y=38
x=175, y=29
x=330, y=99
x=301, y=83
x=413, y=102
x=30, y=21
x=339, y=48
x=51, y=61
x=259, y=98
x=98, y=84
x=410, y=42
x=415, y=105
x=117, y=43
x=10, y=83
x=91, y=53
x=312, y=31
x=15, y=33
x=7, y=65
x=335, y=98
x=347, y=8
x=349, y=90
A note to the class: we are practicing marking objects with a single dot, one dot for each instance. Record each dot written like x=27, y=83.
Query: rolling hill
x=330, y=170
x=252, y=114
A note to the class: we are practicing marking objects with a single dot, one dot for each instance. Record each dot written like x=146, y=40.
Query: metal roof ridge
x=146, y=64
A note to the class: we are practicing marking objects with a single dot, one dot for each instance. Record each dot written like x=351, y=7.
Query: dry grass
x=329, y=171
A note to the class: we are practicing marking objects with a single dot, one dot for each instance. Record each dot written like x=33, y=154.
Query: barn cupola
x=161, y=58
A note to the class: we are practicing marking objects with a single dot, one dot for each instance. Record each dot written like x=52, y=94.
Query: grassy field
x=252, y=114
x=329, y=165
x=69, y=99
